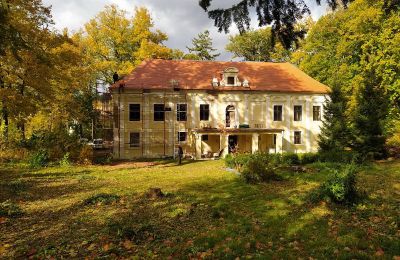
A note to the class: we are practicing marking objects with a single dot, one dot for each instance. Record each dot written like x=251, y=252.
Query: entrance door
x=232, y=143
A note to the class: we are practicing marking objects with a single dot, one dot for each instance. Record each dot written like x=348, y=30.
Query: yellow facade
x=252, y=108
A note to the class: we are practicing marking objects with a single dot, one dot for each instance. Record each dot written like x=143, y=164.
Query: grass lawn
x=207, y=212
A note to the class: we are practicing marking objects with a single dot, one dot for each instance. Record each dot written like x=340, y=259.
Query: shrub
x=103, y=160
x=230, y=161
x=13, y=155
x=101, y=198
x=337, y=156
x=86, y=155
x=10, y=209
x=39, y=159
x=65, y=161
x=341, y=187
x=307, y=158
x=290, y=159
x=256, y=170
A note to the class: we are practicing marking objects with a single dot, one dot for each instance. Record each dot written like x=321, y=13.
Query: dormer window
x=231, y=81
x=230, y=77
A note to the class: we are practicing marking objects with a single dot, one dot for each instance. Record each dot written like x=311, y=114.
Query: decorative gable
x=230, y=77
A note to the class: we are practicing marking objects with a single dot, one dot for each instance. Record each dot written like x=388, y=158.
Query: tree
x=356, y=49
x=282, y=15
x=369, y=117
x=115, y=43
x=257, y=45
x=334, y=131
x=202, y=47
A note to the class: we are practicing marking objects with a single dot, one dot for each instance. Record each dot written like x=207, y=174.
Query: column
x=279, y=142
x=198, y=146
x=254, y=143
x=223, y=144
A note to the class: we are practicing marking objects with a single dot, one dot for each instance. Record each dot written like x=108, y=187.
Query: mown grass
x=208, y=212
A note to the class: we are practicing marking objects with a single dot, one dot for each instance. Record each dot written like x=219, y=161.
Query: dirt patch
x=125, y=165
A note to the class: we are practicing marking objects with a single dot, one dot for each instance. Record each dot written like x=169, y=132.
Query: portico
x=211, y=143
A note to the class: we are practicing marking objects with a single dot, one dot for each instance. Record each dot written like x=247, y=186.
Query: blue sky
x=180, y=19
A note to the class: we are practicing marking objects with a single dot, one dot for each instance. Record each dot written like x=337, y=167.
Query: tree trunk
x=21, y=124
x=4, y=114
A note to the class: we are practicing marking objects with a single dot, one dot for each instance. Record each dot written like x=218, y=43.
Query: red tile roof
x=264, y=76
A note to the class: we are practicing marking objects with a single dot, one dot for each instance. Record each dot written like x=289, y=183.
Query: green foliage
x=39, y=159
x=355, y=52
x=368, y=117
x=10, y=209
x=229, y=161
x=307, y=158
x=337, y=156
x=334, y=134
x=257, y=45
x=256, y=170
x=101, y=198
x=340, y=187
x=290, y=159
x=103, y=160
x=65, y=161
x=202, y=47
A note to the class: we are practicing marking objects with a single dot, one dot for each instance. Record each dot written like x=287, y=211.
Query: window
x=297, y=137
x=134, y=112
x=277, y=113
x=204, y=112
x=298, y=110
x=182, y=136
x=204, y=138
x=181, y=112
x=316, y=113
x=231, y=80
x=159, y=113
x=134, y=140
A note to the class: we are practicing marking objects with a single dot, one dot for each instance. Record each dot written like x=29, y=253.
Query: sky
x=181, y=20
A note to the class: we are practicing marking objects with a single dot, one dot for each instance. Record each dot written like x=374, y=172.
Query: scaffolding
x=157, y=139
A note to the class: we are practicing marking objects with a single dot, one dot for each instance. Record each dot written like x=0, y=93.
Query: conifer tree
x=368, y=118
x=334, y=130
x=202, y=47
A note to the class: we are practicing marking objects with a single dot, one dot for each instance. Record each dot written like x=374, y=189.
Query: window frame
x=273, y=113
x=158, y=112
x=297, y=141
x=319, y=114
x=180, y=112
x=179, y=137
x=131, y=119
x=227, y=81
x=133, y=144
x=202, y=114
x=300, y=115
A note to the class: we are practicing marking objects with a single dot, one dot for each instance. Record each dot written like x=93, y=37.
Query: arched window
x=230, y=116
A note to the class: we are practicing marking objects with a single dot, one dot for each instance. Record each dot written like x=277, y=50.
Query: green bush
x=39, y=159
x=65, y=161
x=337, y=156
x=256, y=170
x=307, y=158
x=290, y=159
x=10, y=209
x=101, y=198
x=230, y=161
x=103, y=159
x=341, y=187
